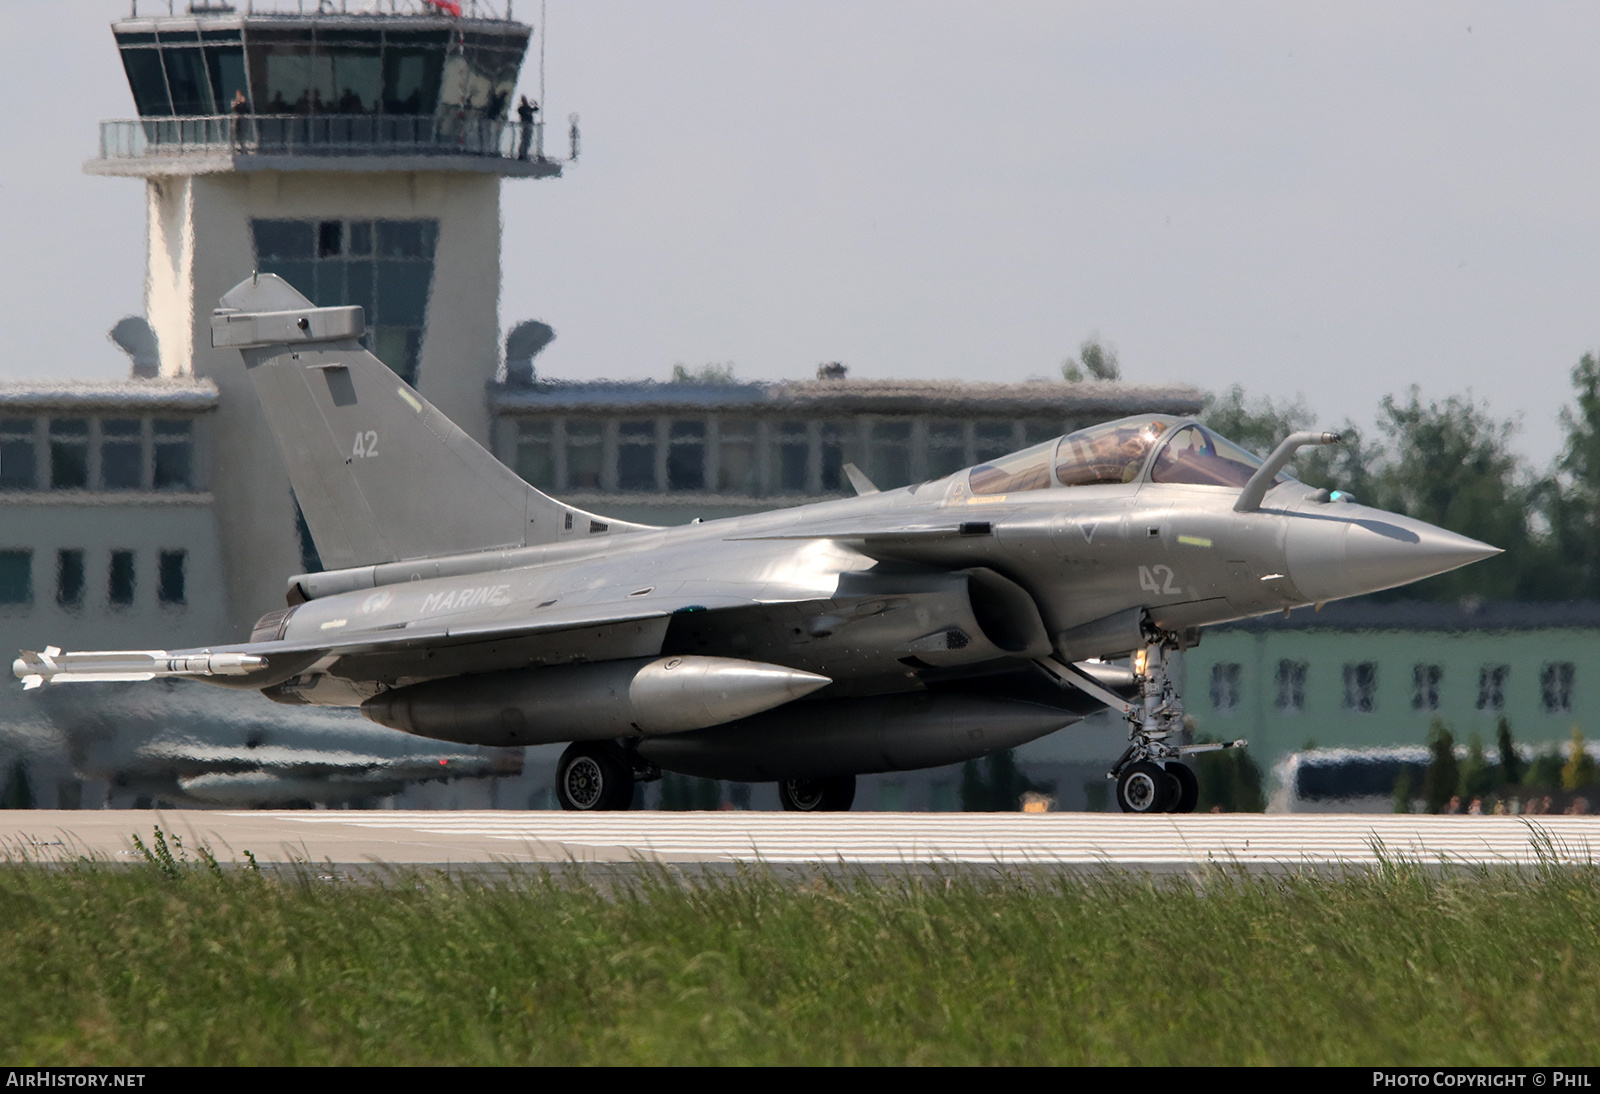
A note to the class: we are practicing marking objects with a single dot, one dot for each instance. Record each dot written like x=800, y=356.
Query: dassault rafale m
x=893, y=630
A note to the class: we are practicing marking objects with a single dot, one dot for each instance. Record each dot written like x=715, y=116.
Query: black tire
x=592, y=777
x=1188, y=788
x=835, y=795
x=1143, y=788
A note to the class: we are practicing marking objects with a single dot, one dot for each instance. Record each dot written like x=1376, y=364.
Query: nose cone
x=1345, y=550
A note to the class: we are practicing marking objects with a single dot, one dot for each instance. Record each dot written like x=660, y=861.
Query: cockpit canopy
x=1117, y=452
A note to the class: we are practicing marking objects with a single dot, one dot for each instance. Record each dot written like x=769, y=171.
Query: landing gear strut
x=1151, y=775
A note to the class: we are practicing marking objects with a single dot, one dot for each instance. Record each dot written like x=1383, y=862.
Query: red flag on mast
x=447, y=6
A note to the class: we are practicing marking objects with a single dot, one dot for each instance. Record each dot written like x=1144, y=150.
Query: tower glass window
x=991, y=440
x=837, y=450
x=686, y=456
x=18, y=463
x=384, y=266
x=947, y=448
x=174, y=454
x=16, y=577
x=170, y=577
x=738, y=469
x=793, y=456
x=69, y=578
x=119, y=584
x=69, y=453
x=585, y=453
x=636, y=454
x=121, y=454
x=891, y=454
x=536, y=454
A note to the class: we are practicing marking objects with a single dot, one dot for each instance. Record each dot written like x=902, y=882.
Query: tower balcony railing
x=321, y=135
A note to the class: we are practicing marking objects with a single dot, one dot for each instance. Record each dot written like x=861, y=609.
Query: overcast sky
x=1332, y=200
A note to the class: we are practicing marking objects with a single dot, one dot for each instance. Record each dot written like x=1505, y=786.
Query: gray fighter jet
x=893, y=630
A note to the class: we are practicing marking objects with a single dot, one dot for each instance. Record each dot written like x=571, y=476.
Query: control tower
x=359, y=156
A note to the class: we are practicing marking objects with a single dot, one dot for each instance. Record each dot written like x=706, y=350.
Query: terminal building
x=361, y=157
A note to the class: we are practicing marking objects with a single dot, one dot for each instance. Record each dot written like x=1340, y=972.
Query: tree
x=1442, y=780
x=685, y=793
x=1478, y=775
x=1094, y=361
x=1451, y=465
x=1403, y=795
x=1578, y=771
x=714, y=374
x=1260, y=424
x=1511, y=766
x=1568, y=501
x=1001, y=790
x=1229, y=779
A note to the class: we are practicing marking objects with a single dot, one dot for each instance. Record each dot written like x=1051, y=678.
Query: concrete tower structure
x=359, y=156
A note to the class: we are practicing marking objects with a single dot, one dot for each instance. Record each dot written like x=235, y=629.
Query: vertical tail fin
x=380, y=474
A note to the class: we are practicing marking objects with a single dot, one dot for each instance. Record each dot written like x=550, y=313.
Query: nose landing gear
x=1151, y=775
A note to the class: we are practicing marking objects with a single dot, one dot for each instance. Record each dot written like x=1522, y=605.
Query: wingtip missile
x=51, y=666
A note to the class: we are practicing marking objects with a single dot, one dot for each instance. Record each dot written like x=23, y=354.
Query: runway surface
x=1059, y=840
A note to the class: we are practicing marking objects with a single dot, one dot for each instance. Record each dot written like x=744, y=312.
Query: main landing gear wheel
x=1184, y=786
x=834, y=795
x=593, y=776
x=1144, y=787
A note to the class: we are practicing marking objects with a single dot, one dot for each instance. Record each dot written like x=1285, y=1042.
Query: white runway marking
x=1013, y=839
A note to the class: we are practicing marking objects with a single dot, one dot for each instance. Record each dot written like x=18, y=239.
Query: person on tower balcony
x=526, y=113
x=236, y=123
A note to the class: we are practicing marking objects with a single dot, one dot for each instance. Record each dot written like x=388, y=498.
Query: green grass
x=176, y=962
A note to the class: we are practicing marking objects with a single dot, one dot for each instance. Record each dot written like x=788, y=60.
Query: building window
x=891, y=454
x=1361, y=687
x=121, y=454
x=1291, y=686
x=1492, y=687
x=16, y=577
x=1038, y=430
x=837, y=450
x=169, y=577
x=174, y=454
x=636, y=454
x=794, y=456
x=1555, y=687
x=991, y=440
x=536, y=454
x=1425, y=681
x=69, y=578
x=385, y=266
x=585, y=443
x=1225, y=685
x=18, y=466
x=69, y=453
x=738, y=467
x=947, y=448
x=686, y=456
x=119, y=589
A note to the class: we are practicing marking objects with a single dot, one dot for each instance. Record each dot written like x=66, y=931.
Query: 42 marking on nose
x=1160, y=580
